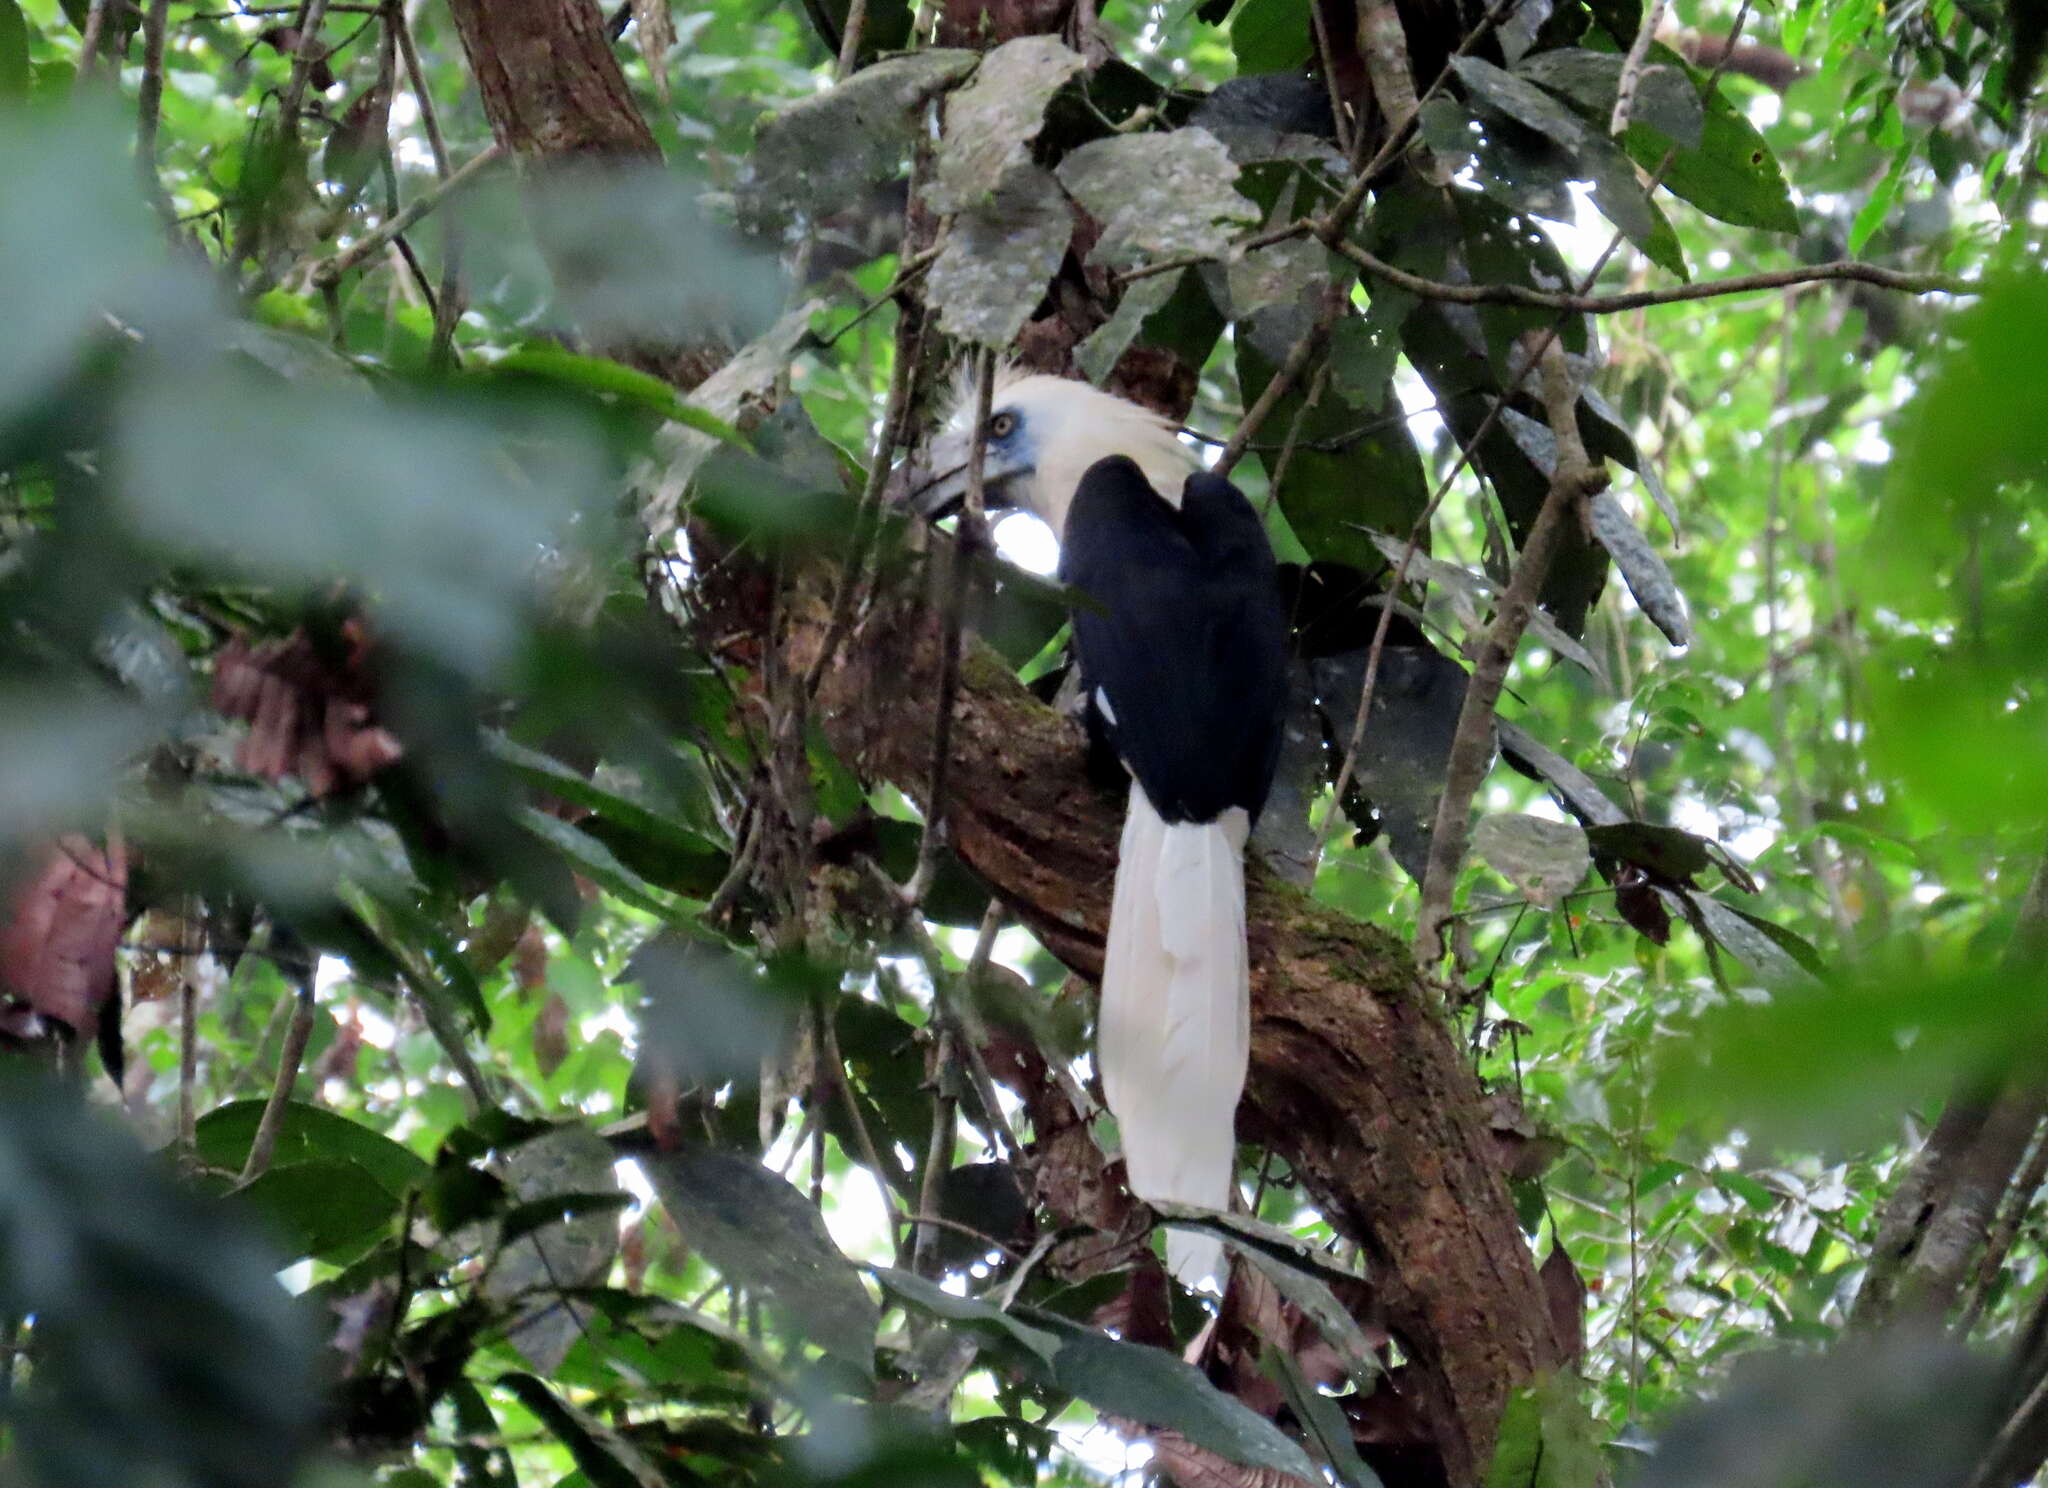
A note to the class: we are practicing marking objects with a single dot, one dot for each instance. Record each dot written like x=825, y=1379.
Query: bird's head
x=1043, y=432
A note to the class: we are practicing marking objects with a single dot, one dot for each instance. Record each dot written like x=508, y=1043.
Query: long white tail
x=1174, y=1030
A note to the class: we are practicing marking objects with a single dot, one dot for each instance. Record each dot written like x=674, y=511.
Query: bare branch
x=304, y=56
x=1705, y=289
x=1632, y=66
x=289, y=1058
x=1472, y=745
x=970, y=539
x=330, y=273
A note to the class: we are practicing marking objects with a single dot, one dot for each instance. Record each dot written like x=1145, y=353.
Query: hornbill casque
x=1182, y=645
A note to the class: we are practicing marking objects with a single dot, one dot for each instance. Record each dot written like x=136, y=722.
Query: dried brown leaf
x=1564, y=1292
x=62, y=927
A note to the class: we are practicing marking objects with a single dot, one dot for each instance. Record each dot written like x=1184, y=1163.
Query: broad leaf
x=763, y=1236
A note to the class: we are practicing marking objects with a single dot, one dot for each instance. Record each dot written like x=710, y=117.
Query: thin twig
x=942, y=1222
x=89, y=45
x=2004, y=1231
x=1284, y=378
x=1466, y=450
x=331, y=272
x=1612, y=304
x=1290, y=444
x=149, y=105
x=836, y=1062
x=188, y=1055
x=1632, y=66
x=909, y=352
x=747, y=848
x=850, y=39
x=970, y=538
x=304, y=55
x=906, y=275
x=289, y=1058
x=938, y=1158
x=1340, y=119
x=1471, y=752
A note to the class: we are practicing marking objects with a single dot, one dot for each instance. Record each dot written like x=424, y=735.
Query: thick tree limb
x=1935, y=1222
x=555, y=94
x=1354, y=1076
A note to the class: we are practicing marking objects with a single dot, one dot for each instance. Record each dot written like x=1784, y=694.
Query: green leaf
x=971, y=1314
x=1732, y=175
x=1329, y=1429
x=1665, y=98
x=1371, y=476
x=14, y=64
x=72, y=225
x=562, y=1235
x=445, y=976
x=1270, y=36
x=1300, y=1274
x=1616, y=191
x=762, y=1235
x=1155, y=1388
x=998, y=256
x=329, y=1208
x=558, y=779
x=1158, y=195
x=1835, y=1060
x=603, y=1456
x=597, y=862
x=1547, y=1439
x=992, y=119
x=820, y=154
x=223, y=1136
x=612, y=379
x=1872, y=214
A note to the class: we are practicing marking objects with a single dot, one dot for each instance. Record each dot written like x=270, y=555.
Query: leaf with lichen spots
x=998, y=257
x=536, y=1272
x=1645, y=573
x=819, y=154
x=1544, y=859
x=1158, y=195
x=1293, y=272
x=1098, y=355
x=991, y=122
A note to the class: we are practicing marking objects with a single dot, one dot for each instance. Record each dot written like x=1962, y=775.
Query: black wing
x=1187, y=640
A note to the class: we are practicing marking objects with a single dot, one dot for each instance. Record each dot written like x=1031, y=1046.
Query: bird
x=1181, y=638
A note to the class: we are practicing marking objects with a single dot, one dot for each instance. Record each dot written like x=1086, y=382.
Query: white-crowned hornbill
x=1182, y=646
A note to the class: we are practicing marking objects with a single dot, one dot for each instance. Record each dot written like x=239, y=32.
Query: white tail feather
x=1174, y=1031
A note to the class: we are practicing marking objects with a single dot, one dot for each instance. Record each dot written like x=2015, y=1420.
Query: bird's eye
x=1002, y=426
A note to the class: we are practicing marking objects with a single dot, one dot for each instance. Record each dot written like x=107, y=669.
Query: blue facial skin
x=1011, y=453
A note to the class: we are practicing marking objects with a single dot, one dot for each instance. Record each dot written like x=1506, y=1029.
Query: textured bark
x=1355, y=1078
x=1934, y=1224
x=555, y=95
x=550, y=83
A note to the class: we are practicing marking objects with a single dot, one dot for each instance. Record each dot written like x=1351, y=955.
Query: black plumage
x=1184, y=634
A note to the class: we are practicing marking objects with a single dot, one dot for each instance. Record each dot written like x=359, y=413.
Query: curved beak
x=935, y=487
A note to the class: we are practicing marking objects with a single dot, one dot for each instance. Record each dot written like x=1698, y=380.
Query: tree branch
x=1471, y=754
x=1354, y=1076
x=1706, y=289
x=331, y=272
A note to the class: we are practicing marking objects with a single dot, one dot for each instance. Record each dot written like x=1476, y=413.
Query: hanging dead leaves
x=62, y=924
x=309, y=712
